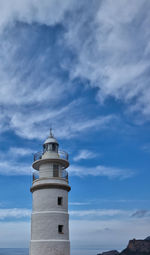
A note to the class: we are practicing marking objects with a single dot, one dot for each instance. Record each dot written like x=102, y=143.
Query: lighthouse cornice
x=50, y=186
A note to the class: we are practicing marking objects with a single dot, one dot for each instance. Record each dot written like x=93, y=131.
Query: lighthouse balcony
x=61, y=155
x=51, y=174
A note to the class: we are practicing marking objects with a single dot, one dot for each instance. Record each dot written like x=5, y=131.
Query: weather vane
x=51, y=134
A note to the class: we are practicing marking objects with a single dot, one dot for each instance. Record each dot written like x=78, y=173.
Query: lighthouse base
x=48, y=247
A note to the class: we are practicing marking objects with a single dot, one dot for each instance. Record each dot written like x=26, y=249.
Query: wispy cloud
x=18, y=213
x=84, y=154
x=73, y=122
x=14, y=213
x=117, y=40
x=10, y=163
x=17, y=151
x=100, y=213
x=109, y=213
x=30, y=102
x=110, y=172
x=79, y=203
x=43, y=13
x=13, y=168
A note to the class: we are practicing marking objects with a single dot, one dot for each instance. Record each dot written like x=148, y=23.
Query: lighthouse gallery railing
x=62, y=155
x=63, y=174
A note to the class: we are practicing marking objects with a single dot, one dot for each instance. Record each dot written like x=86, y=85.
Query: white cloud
x=27, y=98
x=110, y=50
x=79, y=203
x=73, y=122
x=110, y=172
x=18, y=151
x=18, y=213
x=100, y=212
x=78, y=124
x=46, y=12
x=15, y=213
x=30, y=105
x=10, y=163
x=84, y=154
x=13, y=168
x=109, y=213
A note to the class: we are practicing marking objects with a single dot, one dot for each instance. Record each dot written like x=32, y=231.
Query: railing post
x=33, y=177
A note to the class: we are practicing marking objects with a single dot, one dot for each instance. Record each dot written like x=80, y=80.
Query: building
x=50, y=219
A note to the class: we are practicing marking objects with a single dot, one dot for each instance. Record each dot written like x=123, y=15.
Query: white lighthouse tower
x=50, y=219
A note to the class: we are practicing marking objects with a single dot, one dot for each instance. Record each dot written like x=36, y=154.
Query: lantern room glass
x=50, y=147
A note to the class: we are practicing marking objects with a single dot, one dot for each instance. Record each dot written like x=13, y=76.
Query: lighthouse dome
x=50, y=140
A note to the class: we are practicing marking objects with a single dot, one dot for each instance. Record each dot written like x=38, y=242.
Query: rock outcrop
x=147, y=238
x=135, y=247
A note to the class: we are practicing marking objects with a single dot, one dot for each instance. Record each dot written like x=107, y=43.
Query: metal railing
x=61, y=154
x=61, y=174
x=37, y=156
x=35, y=175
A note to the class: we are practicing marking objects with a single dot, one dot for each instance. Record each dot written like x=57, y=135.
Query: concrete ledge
x=50, y=186
x=42, y=212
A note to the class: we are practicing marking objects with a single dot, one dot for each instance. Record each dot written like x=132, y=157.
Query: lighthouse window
x=55, y=170
x=49, y=147
x=60, y=229
x=54, y=147
x=60, y=200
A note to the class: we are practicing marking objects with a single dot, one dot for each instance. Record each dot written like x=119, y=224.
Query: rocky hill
x=135, y=247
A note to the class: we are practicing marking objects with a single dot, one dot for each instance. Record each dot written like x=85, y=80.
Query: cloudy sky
x=82, y=68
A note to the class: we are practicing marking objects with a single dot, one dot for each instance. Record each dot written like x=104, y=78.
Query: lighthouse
x=50, y=219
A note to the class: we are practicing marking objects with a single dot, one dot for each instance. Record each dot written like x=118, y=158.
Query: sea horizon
x=14, y=251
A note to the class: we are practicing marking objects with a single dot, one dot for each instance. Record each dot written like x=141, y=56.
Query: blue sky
x=82, y=68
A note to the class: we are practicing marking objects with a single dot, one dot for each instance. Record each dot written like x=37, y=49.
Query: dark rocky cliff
x=135, y=247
